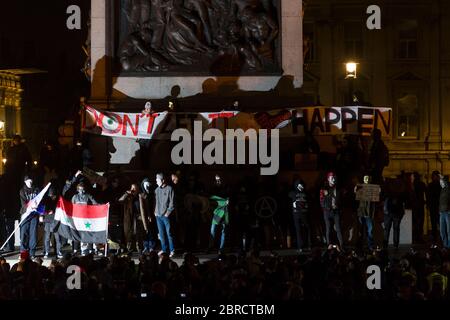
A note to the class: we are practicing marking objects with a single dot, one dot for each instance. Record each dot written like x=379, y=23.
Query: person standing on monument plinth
x=331, y=203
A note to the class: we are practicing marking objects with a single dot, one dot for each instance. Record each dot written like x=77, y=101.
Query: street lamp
x=350, y=68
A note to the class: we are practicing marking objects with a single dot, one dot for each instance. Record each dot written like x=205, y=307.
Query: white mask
x=442, y=182
x=146, y=186
x=29, y=183
x=300, y=187
x=331, y=180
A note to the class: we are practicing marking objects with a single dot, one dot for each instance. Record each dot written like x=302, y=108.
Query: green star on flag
x=88, y=225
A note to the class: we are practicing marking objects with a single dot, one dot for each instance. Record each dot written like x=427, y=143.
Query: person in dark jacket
x=331, y=203
x=394, y=210
x=444, y=211
x=378, y=157
x=300, y=213
x=131, y=212
x=366, y=212
x=244, y=217
x=433, y=195
x=146, y=221
x=28, y=228
x=50, y=224
x=417, y=206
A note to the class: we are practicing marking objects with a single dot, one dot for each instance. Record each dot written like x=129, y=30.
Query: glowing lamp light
x=351, y=67
x=4, y=160
x=403, y=133
x=35, y=162
x=2, y=125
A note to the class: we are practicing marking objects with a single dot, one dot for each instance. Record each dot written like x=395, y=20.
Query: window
x=353, y=40
x=408, y=116
x=309, y=50
x=408, y=39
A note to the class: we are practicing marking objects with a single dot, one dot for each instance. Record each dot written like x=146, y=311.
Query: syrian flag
x=81, y=222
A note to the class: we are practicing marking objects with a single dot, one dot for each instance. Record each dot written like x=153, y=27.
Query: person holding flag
x=220, y=217
x=84, y=198
x=30, y=217
x=48, y=218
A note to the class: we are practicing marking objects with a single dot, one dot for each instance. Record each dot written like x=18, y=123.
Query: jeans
x=146, y=239
x=444, y=221
x=367, y=222
x=47, y=237
x=214, y=228
x=333, y=215
x=392, y=220
x=28, y=234
x=165, y=233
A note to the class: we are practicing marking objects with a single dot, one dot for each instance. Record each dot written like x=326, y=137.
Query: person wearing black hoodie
x=300, y=213
x=28, y=228
x=331, y=203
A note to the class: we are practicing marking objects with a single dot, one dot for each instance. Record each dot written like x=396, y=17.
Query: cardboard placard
x=368, y=192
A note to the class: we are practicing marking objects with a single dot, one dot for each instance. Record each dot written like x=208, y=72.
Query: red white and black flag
x=80, y=222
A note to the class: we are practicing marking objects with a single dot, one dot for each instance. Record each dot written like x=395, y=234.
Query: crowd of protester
x=183, y=213
x=321, y=275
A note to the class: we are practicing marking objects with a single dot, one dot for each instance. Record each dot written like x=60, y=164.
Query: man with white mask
x=145, y=232
x=28, y=228
x=164, y=206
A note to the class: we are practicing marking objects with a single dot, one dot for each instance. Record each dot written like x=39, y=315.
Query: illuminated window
x=408, y=116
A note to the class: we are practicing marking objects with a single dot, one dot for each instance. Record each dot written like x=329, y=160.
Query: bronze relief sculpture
x=228, y=37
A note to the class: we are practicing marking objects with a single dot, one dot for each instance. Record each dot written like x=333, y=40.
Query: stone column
x=435, y=126
x=98, y=50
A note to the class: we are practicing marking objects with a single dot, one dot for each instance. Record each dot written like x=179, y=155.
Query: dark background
x=33, y=34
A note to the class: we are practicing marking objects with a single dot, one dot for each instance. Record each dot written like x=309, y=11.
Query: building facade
x=404, y=65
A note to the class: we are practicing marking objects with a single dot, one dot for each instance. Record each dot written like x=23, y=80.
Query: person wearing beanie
x=331, y=203
x=164, y=206
x=28, y=228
